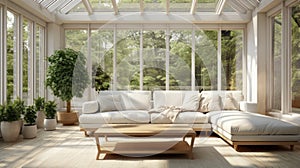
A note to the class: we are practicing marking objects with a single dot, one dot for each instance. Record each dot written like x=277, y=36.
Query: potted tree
x=39, y=107
x=67, y=77
x=50, y=120
x=29, y=128
x=10, y=120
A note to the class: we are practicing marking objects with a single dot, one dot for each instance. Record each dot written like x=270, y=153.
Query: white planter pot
x=49, y=124
x=40, y=119
x=10, y=130
x=29, y=131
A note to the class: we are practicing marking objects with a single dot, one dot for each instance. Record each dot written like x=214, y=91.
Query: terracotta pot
x=10, y=130
x=49, y=124
x=40, y=119
x=67, y=118
x=29, y=131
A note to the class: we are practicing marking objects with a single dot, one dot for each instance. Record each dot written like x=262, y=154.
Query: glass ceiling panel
x=128, y=5
x=79, y=8
x=154, y=5
x=102, y=5
x=180, y=5
x=228, y=8
x=206, y=5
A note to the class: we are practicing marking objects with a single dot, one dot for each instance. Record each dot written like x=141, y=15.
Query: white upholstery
x=137, y=101
x=188, y=100
x=116, y=117
x=182, y=118
x=110, y=103
x=90, y=107
x=245, y=123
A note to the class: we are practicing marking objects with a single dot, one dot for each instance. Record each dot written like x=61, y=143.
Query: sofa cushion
x=116, y=117
x=230, y=103
x=136, y=101
x=109, y=103
x=183, y=117
x=90, y=107
x=190, y=101
x=210, y=102
x=167, y=98
x=245, y=123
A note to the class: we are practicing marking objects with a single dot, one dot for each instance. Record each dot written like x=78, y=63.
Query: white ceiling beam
x=142, y=7
x=238, y=8
x=116, y=10
x=155, y=17
x=57, y=4
x=220, y=6
x=247, y=4
x=45, y=3
x=70, y=6
x=254, y=2
x=35, y=9
x=88, y=6
x=167, y=6
x=193, y=7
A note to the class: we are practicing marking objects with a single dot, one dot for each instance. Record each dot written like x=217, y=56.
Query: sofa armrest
x=247, y=106
x=90, y=107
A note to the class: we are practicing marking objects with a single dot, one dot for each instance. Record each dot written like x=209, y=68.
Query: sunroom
x=251, y=46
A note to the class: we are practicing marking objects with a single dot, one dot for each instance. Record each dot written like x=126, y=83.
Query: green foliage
x=50, y=109
x=39, y=103
x=67, y=75
x=12, y=111
x=30, y=115
x=101, y=80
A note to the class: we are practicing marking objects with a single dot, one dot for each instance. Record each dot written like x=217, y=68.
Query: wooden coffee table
x=145, y=147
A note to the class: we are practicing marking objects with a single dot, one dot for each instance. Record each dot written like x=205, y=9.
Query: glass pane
x=79, y=8
x=232, y=52
x=295, y=22
x=206, y=59
x=180, y=5
x=40, y=55
x=11, y=52
x=154, y=57
x=277, y=41
x=180, y=60
x=102, y=49
x=128, y=59
x=77, y=40
x=26, y=46
x=206, y=5
x=128, y=5
x=102, y=5
x=154, y=5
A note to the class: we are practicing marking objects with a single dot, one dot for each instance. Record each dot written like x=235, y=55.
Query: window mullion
x=219, y=59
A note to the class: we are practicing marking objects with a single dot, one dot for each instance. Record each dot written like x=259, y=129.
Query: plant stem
x=68, y=106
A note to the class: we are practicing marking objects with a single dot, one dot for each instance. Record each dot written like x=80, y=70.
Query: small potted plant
x=39, y=107
x=50, y=120
x=29, y=128
x=11, y=119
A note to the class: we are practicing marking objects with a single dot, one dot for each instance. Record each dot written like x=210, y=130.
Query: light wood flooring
x=68, y=147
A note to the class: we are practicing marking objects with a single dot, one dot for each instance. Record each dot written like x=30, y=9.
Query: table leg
x=98, y=147
x=191, y=147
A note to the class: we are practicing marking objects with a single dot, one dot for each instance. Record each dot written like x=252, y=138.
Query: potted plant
x=10, y=120
x=29, y=128
x=67, y=77
x=39, y=107
x=50, y=120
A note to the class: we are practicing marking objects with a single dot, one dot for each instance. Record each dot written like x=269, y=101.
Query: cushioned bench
x=244, y=128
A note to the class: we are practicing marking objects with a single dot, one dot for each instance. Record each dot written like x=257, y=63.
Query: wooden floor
x=67, y=147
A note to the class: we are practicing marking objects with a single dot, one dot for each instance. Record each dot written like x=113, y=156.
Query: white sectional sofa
x=221, y=112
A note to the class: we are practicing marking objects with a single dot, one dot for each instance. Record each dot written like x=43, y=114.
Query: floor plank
x=68, y=147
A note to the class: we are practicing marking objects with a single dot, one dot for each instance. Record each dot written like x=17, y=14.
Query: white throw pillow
x=210, y=102
x=136, y=101
x=230, y=103
x=110, y=103
x=90, y=107
x=190, y=101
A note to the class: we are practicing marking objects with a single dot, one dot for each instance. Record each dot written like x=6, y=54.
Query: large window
x=180, y=60
x=276, y=56
x=26, y=58
x=11, y=54
x=232, y=52
x=39, y=60
x=206, y=59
